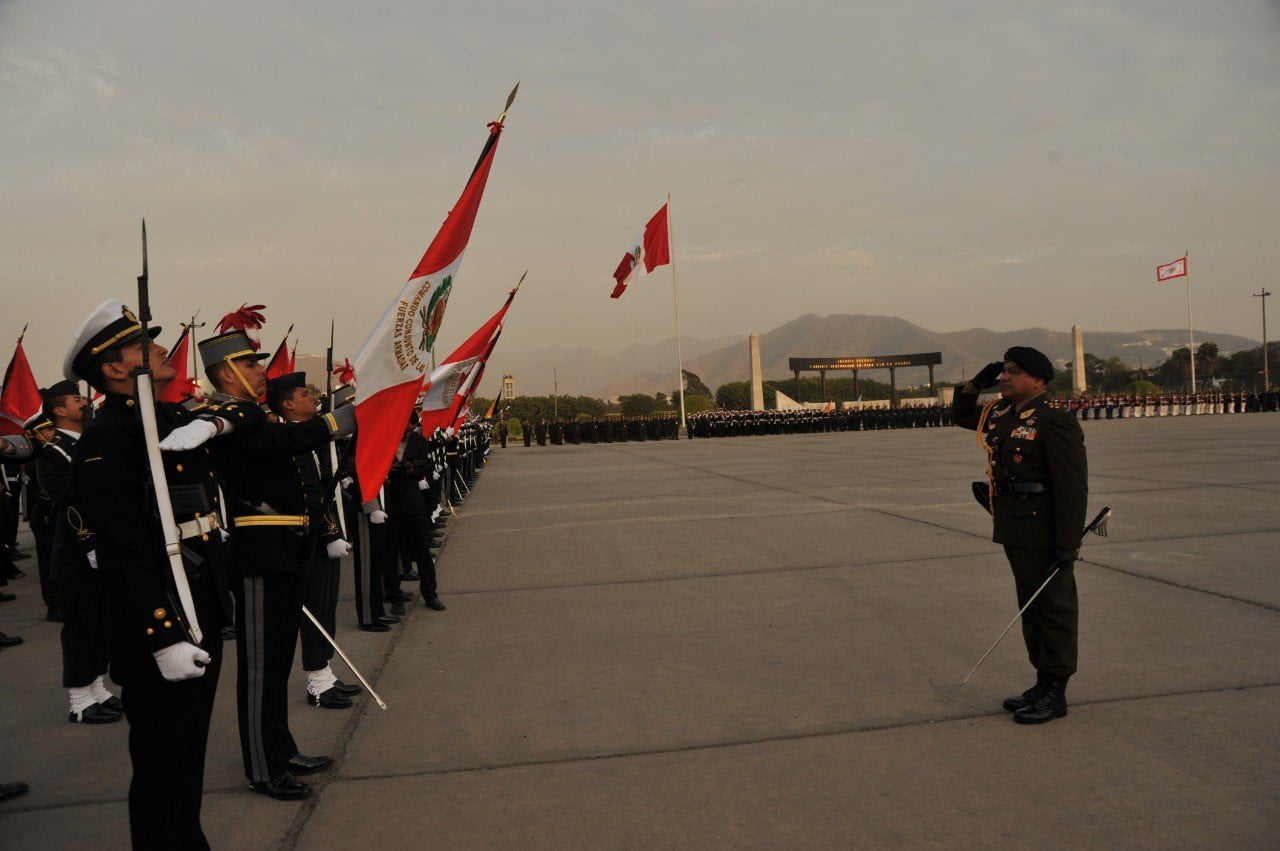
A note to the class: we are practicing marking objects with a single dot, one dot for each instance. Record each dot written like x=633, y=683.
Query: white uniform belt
x=189, y=529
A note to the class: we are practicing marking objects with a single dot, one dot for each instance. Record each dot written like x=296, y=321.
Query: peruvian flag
x=393, y=360
x=452, y=381
x=652, y=249
x=281, y=362
x=20, y=398
x=184, y=385
x=1169, y=271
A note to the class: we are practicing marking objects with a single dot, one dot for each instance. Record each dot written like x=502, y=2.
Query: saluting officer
x=1039, y=490
x=168, y=682
x=266, y=555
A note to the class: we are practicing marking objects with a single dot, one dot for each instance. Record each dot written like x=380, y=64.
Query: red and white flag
x=20, y=398
x=184, y=385
x=393, y=360
x=281, y=362
x=453, y=380
x=1169, y=271
x=652, y=249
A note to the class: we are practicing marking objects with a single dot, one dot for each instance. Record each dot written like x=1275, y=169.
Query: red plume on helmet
x=247, y=319
x=345, y=373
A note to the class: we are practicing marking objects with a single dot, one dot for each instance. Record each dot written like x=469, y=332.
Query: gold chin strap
x=991, y=454
x=240, y=375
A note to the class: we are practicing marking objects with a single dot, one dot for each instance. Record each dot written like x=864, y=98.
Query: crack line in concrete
x=783, y=737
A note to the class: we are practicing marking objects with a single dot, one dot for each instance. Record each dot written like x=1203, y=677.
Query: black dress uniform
x=266, y=557
x=80, y=584
x=409, y=522
x=1039, y=478
x=168, y=721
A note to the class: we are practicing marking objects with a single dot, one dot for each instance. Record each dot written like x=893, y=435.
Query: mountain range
x=650, y=368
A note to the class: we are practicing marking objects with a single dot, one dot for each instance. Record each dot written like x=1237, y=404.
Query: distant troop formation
x=1130, y=407
x=164, y=529
x=599, y=430
x=740, y=423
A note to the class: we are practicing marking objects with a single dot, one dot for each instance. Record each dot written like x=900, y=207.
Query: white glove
x=346, y=482
x=181, y=661
x=92, y=556
x=378, y=516
x=422, y=484
x=189, y=436
x=338, y=548
x=435, y=476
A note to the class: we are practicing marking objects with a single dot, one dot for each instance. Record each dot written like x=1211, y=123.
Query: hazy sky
x=960, y=164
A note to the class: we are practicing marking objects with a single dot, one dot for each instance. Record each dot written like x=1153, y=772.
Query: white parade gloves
x=422, y=484
x=181, y=661
x=346, y=482
x=338, y=548
x=377, y=516
x=92, y=556
x=193, y=434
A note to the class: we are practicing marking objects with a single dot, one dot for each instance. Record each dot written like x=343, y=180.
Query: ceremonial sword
x=1097, y=527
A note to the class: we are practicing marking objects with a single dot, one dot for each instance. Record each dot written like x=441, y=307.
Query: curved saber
x=354, y=669
x=1097, y=527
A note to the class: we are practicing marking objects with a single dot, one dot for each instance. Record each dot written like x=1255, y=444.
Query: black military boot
x=1052, y=703
x=1028, y=697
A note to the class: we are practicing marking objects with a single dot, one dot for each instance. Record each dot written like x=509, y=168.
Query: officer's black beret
x=290, y=381
x=1033, y=361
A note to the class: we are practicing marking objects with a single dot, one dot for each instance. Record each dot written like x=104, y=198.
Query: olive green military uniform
x=1040, y=478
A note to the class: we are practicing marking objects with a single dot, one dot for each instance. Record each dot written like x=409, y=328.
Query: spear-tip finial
x=519, y=282
x=511, y=98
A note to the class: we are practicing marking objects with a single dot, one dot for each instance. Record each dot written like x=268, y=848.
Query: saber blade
x=354, y=669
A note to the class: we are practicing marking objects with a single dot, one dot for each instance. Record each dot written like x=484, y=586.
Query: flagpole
x=1191, y=334
x=675, y=295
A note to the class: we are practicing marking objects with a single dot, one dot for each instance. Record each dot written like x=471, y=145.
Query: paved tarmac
x=760, y=641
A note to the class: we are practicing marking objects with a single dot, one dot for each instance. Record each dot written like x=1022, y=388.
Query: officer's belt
x=198, y=527
x=1019, y=487
x=271, y=520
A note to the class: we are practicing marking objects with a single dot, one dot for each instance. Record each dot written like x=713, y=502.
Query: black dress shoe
x=96, y=714
x=389, y=619
x=54, y=615
x=1028, y=697
x=114, y=703
x=4, y=598
x=286, y=787
x=374, y=627
x=343, y=688
x=19, y=555
x=397, y=609
x=306, y=764
x=1052, y=703
x=10, y=640
x=330, y=698
x=17, y=574
x=228, y=633
x=9, y=791
x=433, y=603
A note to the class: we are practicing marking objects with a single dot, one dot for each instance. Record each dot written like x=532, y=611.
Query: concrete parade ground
x=760, y=641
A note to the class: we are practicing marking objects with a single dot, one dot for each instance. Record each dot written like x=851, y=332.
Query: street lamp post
x=1266, y=368
x=555, y=394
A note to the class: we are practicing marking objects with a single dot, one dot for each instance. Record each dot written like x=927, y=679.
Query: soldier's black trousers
x=49, y=591
x=367, y=542
x=320, y=595
x=1050, y=626
x=84, y=628
x=268, y=613
x=168, y=732
x=414, y=531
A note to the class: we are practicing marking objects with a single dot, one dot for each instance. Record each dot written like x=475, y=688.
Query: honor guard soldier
x=1038, y=493
x=266, y=554
x=168, y=682
x=14, y=448
x=74, y=565
x=40, y=516
x=290, y=399
x=410, y=524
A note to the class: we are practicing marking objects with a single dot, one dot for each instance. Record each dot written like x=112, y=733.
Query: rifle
x=159, y=482
x=1097, y=527
x=333, y=448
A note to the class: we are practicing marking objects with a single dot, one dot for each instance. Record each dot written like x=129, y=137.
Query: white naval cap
x=109, y=326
